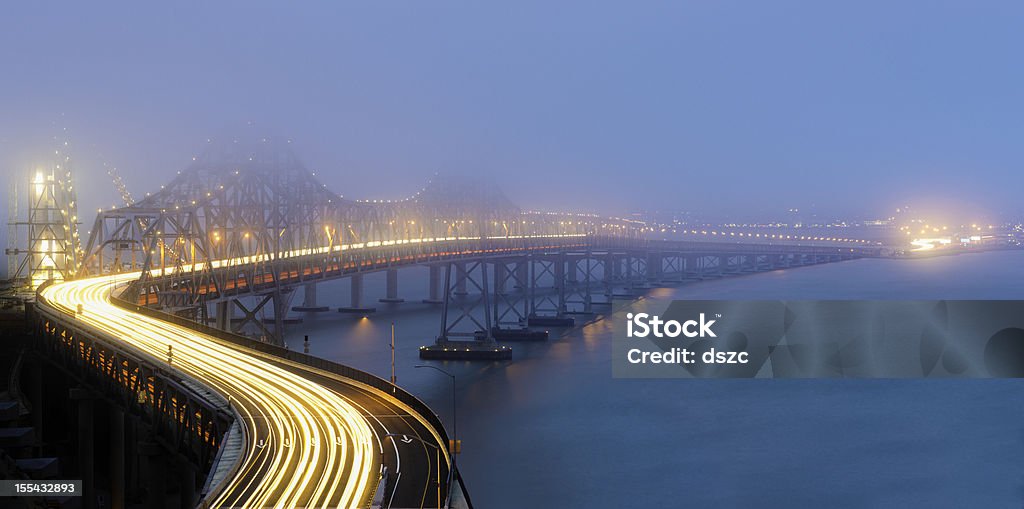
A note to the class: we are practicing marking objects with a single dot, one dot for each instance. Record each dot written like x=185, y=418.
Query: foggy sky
x=723, y=107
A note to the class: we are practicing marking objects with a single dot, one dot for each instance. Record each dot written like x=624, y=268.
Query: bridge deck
x=313, y=437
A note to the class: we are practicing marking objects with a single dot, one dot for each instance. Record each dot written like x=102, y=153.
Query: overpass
x=243, y=228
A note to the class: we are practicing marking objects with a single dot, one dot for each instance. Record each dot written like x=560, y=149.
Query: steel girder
x=256, y=206
x=259, y=207
x=183, y=421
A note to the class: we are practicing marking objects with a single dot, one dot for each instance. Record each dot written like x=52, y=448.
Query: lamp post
x=393, y=378
x=455, y=420
x=437, y=451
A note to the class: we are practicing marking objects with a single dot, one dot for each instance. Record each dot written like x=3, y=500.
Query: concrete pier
x=309, y=304
x=435, y=285
x=391, y=288
x=356, y=300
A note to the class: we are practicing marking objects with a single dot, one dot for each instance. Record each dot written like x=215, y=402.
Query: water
x=551, y=428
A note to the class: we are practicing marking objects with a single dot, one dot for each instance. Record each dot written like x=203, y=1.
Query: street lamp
x=437, y=452
x=455, y=420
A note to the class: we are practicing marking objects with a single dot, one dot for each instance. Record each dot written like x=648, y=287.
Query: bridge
x=150, y=320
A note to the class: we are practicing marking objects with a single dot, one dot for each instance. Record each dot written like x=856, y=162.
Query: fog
x=719, y=107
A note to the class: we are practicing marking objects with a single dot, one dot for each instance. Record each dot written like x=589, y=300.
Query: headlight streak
x=301, y=435
x=288, y=412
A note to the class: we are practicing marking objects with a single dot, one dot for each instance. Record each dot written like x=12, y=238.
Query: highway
x=312, y=438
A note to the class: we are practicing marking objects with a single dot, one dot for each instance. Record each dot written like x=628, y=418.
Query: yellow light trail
x=306, y=446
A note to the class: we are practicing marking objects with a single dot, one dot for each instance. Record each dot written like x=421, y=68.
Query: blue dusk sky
x=733, y=108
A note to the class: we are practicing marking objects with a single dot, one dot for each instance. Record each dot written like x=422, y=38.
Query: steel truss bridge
x=150, y=320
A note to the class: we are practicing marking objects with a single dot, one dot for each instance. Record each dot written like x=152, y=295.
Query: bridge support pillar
x=117, y=457
x=391, y=290
x=679, y=268
x=500, y=275
x=560, y=263
x=523, y=274
x=460, y=279
x=356, y=300
x=434, y=296
x=654, y=267
x=591, y=281
x=630, y=274
x=309, y=304
x=578, y=297
x=281, y=299
x=691, y=267
x=547, y=309
x=224, y=310
x=474, y=322
x=86, y=444
x=309, y=295
x=356, y=291
x=611, y=274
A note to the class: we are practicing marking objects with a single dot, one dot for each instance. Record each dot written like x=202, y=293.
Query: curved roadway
x=313, y=438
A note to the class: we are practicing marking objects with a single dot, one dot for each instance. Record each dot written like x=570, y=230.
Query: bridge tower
x=44, y=245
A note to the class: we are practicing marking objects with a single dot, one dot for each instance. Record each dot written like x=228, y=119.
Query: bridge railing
x=182, y=419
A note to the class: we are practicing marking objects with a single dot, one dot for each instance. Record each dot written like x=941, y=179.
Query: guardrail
x=125, y=375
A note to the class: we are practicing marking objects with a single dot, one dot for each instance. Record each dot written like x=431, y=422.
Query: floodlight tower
x=52, y=246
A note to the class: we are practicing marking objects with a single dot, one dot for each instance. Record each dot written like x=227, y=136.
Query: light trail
x=306, y=445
